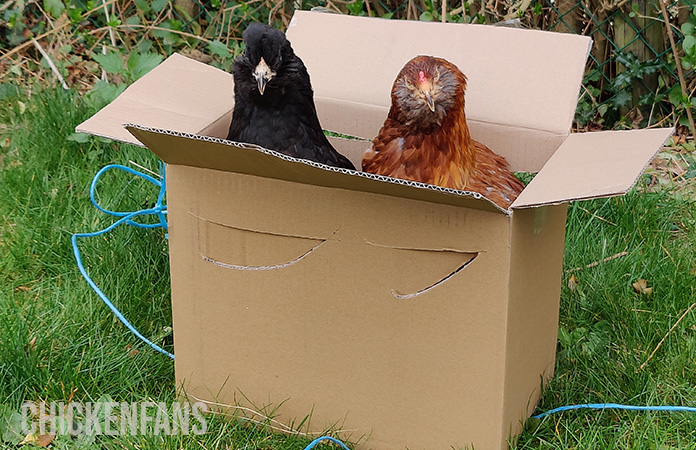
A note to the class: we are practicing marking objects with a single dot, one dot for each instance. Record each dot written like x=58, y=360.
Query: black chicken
x=274, y=101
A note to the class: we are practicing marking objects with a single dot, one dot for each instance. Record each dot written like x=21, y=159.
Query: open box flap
x=220, y=154
x=524, y=78
x=180, y=94
x=592, y=165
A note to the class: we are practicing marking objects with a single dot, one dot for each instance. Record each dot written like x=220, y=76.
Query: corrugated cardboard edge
x=134, y=128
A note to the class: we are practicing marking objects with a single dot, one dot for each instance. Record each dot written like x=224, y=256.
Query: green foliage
x=356, y=8
x=135, y=66
x=10, y=426
x=681, y=103
x=681, y=100
x=634, y=70
x=104, y=93
x=581, y=341
x=54, y=7
x=138, y=64
x=111, y=62
x=688, y=29
x=219, y=49
x=611, y=97
x=432, y=12
x=604, y=102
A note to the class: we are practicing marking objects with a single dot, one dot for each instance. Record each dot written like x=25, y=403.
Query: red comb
x=421, y=77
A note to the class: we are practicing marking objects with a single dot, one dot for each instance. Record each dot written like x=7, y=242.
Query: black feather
x=284, y=118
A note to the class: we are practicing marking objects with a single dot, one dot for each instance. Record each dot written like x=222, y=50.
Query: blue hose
x=158, y=210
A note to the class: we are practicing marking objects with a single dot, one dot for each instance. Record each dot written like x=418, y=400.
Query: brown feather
x=434, y=146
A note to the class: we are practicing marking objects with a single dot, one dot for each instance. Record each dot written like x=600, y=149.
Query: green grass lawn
x=59, y=342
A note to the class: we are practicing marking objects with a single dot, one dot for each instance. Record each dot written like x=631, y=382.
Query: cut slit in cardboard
x=404, y=315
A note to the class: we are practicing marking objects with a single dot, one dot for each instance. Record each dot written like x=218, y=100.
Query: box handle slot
x=238, y=248
x=270, y=267
x=400, y=296
x=467, y=256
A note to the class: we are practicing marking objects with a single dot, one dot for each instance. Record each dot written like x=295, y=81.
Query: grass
x=59, y=342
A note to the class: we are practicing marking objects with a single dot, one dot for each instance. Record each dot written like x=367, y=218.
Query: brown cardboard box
x=406, y=315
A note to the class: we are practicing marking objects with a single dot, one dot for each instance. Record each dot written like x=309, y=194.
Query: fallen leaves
x=43, y=440
x=641, y=287
x=573, y=283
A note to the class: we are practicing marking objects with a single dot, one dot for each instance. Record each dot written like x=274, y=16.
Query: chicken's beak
x=261, y=81
x=263, y=73
x=429, y=100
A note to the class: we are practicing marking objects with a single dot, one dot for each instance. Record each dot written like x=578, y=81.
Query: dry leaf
x=573, y=282
x=641, y=287
x=28, y=439
x=31, y=346
x=43, y=440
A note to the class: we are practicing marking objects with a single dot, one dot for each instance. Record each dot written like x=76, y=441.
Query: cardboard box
x=405, y=315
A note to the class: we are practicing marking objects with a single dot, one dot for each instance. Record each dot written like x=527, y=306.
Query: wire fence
x=636, y=75
x=632, y=76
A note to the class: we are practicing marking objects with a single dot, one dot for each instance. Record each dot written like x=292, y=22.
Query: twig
x=517, y=9
x=587, y=91
x=53, y=67
x=249, y=410
x=612, y=6
x=677, y=61
x=152, y=27
x=111, y=30
x=46, y=16
x=282, y=427
x=22, y=64
x=667, y=118
x=457, y=10
x=158, y=19
x=330, y=4
x=663, y=248
x=272, y=12
x=596, y=216
x=596, y=263
x=143, y=168
x=103, y=72
x=665, y=336
x=655, y=19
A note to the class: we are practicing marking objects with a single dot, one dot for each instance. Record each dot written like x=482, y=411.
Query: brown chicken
x=425, y=137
